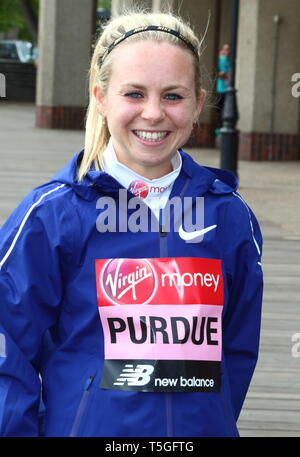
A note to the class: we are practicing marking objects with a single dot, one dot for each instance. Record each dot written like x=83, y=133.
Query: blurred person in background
x=223, y=79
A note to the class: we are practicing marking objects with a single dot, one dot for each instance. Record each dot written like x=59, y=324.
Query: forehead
x=152, y=61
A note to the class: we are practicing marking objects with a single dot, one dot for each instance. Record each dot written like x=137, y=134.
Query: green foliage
x=106, y=4
x=12, y=18
x=9, y=15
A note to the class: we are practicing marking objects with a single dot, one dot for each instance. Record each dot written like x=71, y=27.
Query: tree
x=11, y=17
x=106, y=4
x=27, y=8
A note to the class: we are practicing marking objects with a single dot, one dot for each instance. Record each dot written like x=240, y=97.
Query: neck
x=149, y=172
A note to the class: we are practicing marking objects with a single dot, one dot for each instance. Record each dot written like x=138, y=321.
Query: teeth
x=149, y=136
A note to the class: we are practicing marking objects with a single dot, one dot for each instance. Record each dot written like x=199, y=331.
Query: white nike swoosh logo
x=187, y=236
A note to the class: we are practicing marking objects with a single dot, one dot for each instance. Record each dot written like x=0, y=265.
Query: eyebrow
x=173, y=87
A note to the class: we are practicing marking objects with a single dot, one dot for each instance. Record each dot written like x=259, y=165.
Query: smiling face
x=150, y=104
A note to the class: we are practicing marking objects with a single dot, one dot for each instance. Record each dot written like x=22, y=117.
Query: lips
x=151, y=136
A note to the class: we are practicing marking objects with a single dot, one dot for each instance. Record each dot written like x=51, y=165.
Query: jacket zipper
x=163, y=241
x=81, y=407
x=163, y=248
x=169, y=415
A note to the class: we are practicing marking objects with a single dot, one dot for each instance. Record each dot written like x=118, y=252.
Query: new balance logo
x=139, y=376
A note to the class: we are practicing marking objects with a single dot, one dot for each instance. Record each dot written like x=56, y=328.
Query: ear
x=200, y=102
x=100, y=100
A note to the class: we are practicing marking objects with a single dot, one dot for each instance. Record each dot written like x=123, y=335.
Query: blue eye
x=173, y=97
x=133, y=94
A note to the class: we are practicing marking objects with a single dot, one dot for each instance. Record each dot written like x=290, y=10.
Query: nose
x=153, y=110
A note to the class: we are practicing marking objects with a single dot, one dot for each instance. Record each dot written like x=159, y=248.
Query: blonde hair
x=97, y=134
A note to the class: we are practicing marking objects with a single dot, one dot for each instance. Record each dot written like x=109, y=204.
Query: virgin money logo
x=128, y=281
x=139, y=188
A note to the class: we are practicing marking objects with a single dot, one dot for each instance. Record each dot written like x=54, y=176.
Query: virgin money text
x=156, y=329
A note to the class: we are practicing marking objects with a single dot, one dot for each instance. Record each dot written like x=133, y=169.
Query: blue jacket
x=189, y=373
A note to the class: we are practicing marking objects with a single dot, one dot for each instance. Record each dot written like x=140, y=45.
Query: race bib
x=162, y=326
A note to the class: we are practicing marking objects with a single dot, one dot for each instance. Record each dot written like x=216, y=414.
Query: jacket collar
x=196, y=179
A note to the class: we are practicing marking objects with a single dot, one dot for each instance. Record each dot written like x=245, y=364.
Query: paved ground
x=29, y=156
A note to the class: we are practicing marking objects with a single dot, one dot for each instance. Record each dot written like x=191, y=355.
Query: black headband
x=144, y=29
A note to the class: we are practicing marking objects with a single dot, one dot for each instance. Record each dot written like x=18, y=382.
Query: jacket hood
x=212, y=180
x=218, y=181
x=225, y=181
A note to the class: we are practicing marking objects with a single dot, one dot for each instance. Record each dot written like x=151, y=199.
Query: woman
x=131, y=283
x=223, y=79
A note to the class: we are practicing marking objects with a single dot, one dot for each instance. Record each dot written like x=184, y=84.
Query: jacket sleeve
x=241, y=323
x=30, y=295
